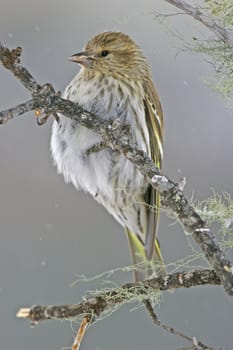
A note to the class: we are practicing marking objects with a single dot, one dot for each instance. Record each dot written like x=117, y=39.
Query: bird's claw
x=46, y=91
x=41, y=117
x=96, y=148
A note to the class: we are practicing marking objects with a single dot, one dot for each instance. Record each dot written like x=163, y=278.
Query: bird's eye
x=104, y=53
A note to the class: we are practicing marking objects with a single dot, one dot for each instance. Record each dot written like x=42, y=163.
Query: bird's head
x=112, y=53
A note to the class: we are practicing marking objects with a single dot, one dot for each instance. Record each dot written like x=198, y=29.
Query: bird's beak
x=84, y=58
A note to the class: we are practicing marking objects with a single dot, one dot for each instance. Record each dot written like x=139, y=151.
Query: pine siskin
x=115, y=82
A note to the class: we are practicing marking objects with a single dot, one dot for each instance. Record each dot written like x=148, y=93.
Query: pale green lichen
x=218, y=210
x=122, y=296
x=220, y=55
x=218, y=52
x=222, y=10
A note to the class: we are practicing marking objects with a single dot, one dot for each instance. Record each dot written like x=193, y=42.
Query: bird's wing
x=154, y=120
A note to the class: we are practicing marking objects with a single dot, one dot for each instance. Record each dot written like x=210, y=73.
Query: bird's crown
x=113, y=53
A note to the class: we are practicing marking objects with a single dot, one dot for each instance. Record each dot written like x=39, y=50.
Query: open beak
x=84, y=58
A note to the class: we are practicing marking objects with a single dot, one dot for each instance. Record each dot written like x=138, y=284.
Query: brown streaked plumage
x=115, y=82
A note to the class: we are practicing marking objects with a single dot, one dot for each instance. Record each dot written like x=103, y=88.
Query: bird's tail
x=145, y=269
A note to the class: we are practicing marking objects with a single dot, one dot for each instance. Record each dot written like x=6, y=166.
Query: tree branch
x=118, y=138
x=221, y=32
x=16, y=111
x=95, y=306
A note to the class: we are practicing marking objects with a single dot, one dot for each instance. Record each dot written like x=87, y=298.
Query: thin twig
x=196, y=344
x=206, y=20
x=16, y=111
x=80, y=333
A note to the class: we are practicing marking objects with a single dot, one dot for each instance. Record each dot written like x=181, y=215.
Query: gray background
x=50, y=232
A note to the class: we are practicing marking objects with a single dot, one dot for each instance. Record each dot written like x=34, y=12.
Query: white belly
x=106, y=175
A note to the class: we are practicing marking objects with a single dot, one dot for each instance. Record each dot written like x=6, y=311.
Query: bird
x=115, y=83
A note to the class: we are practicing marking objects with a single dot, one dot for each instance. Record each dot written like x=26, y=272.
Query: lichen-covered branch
x=16, y=111
x=118, y=138
x=11, y=60
x=96, y=305
x=196, y=12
